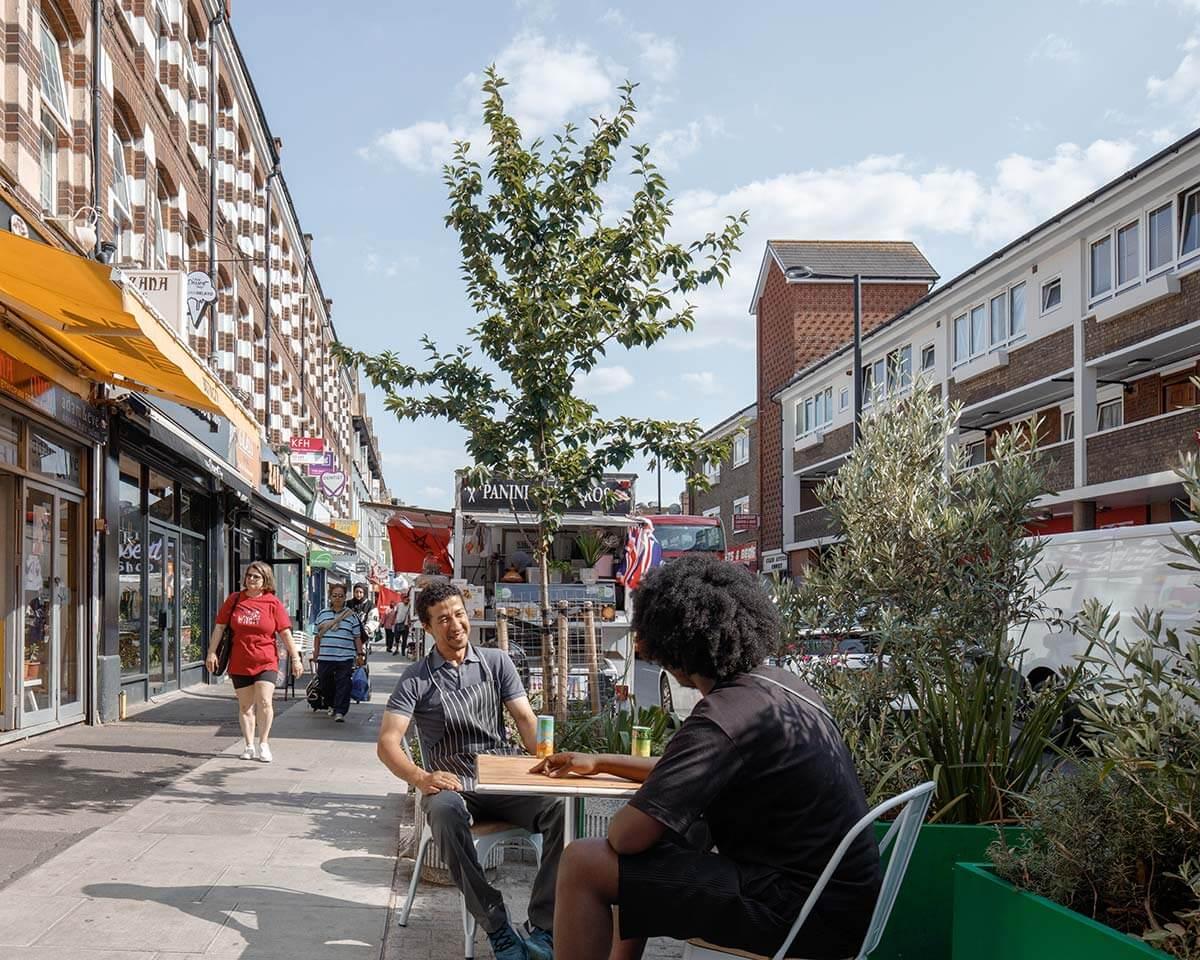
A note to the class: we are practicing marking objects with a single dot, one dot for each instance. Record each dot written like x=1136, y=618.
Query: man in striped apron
x=456, y=696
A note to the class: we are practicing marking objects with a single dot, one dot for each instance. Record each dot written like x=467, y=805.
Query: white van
x=1125, y=567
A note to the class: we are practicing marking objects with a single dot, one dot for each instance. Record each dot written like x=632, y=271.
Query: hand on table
x=438, y=781
x=563, y=764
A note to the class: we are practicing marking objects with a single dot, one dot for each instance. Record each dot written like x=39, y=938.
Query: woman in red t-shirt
x=256, y=615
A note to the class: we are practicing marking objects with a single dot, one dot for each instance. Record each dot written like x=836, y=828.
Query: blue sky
x=957, y=126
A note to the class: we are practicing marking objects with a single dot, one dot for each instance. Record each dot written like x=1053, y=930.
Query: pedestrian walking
x=363, y=604
x=338, y=646
x=256, y=616
x=454, y=696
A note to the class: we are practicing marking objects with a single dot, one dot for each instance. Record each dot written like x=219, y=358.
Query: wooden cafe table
x=511, y=776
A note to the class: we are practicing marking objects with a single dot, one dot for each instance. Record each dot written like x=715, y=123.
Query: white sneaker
x=249, y=753
x=264, y=753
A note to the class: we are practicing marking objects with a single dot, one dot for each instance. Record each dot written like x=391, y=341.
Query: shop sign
x=166, y=291
x=319, y=469
x=18, y=379
x=746, y=553
x=306, y=444
x=245, y=454
x=314, y=459
x=774, y=561
x=361, y=566
x=272, y=477
x=502, y=496
x=745, y=521
x=200, y=293
x=333, y=483
x=346, y=526
x=323, y=559
x=347, y=559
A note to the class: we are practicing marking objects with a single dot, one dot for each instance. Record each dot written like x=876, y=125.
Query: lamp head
x=799, y=272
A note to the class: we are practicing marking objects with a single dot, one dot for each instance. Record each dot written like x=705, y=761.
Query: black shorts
x=673, y=890
x=241, y=680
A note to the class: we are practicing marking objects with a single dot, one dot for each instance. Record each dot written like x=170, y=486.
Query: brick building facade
x=734, y=486
x=1086, y=329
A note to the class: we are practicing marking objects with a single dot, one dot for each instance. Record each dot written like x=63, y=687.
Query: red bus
x=680, y=535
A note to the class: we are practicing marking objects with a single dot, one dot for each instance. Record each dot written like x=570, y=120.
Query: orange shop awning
x=74, y=303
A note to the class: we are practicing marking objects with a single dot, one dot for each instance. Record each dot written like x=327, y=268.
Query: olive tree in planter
x=935, y=563
x=557, y=279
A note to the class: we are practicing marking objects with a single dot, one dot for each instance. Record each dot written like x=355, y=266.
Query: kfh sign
x=506, y=496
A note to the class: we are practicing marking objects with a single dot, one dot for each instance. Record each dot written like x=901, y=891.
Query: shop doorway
x=162, y=608
x=48, y=687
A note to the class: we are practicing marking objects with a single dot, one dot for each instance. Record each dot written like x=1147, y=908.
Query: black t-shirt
x=775, y=783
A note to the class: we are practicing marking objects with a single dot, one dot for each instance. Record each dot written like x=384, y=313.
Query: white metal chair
x=901, y=837
x=487, y=834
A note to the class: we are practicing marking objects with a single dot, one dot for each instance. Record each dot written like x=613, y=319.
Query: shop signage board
x=306, y=444
x=333, y=483
x=502, y=496
x=166, y=291
x=774, y=562
x=200, y=292
x=19, y=380
x=346, y=526
x=745, y=521
x=323, y=559
x=245, y=453
x=746, y=553
x=310, y=457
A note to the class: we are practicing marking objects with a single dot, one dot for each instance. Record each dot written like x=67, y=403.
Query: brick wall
x=1058, y=462
x=1044, y=357
x=1149, y=447
x=1137, y=325
x=735, y=483
x=797, y=325
x=835, y=442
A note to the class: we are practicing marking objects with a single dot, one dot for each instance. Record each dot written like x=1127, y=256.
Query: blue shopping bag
x=360, y=685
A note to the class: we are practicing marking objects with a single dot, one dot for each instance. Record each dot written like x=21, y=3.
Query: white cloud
x=422, y=147
x=659, y=55
x=704, y=382
x=672, y=146
x=1184, y=83
x=882, y=198
x=602, y=381
x=1056, y=48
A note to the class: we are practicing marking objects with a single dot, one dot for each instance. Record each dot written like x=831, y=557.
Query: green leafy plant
x=591, y=545
x=557, y=279
x=936, y=565
x=612, y=731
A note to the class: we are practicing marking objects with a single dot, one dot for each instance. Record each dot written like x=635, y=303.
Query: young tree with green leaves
x=557, y=280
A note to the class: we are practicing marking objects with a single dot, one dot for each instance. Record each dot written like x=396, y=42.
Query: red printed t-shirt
x=255, y=623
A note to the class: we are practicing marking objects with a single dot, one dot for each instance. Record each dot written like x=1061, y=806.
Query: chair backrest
x=901, y=837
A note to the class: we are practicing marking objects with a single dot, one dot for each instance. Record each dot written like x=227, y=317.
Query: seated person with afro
x=759, y=770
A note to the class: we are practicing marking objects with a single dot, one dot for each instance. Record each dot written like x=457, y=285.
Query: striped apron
x=474, y=725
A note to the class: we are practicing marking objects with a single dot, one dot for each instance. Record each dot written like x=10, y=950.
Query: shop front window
x=65, y=596
x=54, y=458
x=160, y=499
x=10, y=438
x=192, y=515
x=191, y=594
x=130, y=569
x=36, y=573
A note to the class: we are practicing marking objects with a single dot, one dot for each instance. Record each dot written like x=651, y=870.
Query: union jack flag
x=642, y=552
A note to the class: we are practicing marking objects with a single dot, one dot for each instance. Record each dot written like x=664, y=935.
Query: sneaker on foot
x=332, y=712
x=539, y=942
x=339, y=718
x=248, y=753
x=507, y=944
x=264, y=753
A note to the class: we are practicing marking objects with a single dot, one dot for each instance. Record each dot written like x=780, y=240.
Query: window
x=1016, y=310
x=844, y=398
x=978, y=330
x=1051, y=294
x=976, y=453
x=712, y=472
x=1189, y=227
x=741, y=449
x=928, y=357
x=1129, y=254
x=1160, y=244
x=1101, y=267
x=962, y=339
x=163, y=39
x=159, y=258
x=999, y=321
x=1068, y=425
x=54, y=87
x=713, y=512
x=49, y=168
x=741, y=506
x=814, y=412
x=1110, y=414
x=899, y=369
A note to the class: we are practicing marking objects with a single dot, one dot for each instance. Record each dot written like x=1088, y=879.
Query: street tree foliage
x=935, y=563
x=557, y=280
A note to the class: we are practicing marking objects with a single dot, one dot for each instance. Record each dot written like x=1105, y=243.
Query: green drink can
x=545, y=736
x=641, y=741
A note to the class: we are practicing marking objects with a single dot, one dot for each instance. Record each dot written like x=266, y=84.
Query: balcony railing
x=812, y=525
x=1141, y=448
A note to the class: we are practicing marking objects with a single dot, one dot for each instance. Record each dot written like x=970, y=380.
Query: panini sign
x=506, y=496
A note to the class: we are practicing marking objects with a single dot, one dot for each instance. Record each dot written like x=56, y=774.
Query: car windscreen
x=683, y=537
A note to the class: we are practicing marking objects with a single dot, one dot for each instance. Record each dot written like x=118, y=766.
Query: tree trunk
x=564, y=648
x=593, y=664
x=548, y=659
x=502, y=628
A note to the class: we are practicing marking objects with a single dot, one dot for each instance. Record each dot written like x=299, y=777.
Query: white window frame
x=898, y=379
x=844, y=399
x=1046, y=311
x=741, y=448
x=1067, y=432
x=970, y=448
x=1119, y=405
x=965, y=320
x=1094, y=295
x=1012, y=288
x=162, y=37
x=714, y=512
x=741, y=505
x=160, y=260
x=929, y=349
x=1181, y=256
x=814, y=412
x=1172, y=243
x=1135, y=224
x=712, y=473
x=48, y=168
x=981, y=310
x=994, y=342
x=120, y=175
x=50, y=73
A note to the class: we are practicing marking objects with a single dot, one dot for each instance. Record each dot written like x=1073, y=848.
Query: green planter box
x=921, y=924
x=993, y=920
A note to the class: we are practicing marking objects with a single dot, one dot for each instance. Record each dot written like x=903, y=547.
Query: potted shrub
x=558, y=568
x=935, y=566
